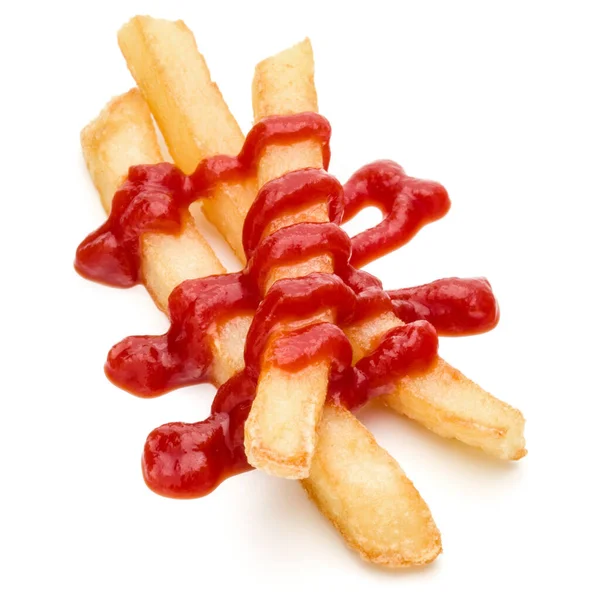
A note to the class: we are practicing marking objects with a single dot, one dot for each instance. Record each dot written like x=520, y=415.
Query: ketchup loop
x=303, y=239
x=407, y=204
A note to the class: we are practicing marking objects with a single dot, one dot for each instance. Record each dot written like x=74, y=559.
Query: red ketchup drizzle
x=407, y=205
x=150, y=365
x=453, y=306
x=190, y=460
x=150, y=200
x=153, y=197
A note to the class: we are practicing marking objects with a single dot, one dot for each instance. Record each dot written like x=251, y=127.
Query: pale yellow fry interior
x=124, y=135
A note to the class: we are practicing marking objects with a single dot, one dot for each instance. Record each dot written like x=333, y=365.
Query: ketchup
x=453, y=306
x=407, y=204
x=190, y=460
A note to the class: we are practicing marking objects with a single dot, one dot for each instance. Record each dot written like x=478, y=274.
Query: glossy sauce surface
x=189, y=460
x=453, y=306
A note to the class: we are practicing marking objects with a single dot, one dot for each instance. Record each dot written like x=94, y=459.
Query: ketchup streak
x=190, y=460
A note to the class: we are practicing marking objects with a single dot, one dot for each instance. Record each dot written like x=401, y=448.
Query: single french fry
x=280, y=433
x=388, y=502
x=189, y=110
x=443, y=399
x=395, y=529
x=124, y=132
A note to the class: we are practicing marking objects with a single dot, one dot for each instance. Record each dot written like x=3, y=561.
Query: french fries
x=442, y=399
x=354, y=482
x=281, y=431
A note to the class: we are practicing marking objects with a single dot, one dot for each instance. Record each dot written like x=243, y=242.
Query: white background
x=499, y=104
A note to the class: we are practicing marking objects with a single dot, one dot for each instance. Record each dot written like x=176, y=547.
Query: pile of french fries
x=291, y=431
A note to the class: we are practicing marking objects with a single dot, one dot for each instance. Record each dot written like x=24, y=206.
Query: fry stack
x=291, y=431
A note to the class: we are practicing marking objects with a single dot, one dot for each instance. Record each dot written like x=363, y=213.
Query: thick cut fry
x=280, y=433
x=397, y=528
x=347, y=444
x=121, y=136
x=443, y=399
x=144, y=44
x=124, y=130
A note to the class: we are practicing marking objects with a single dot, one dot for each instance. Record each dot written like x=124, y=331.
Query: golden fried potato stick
x=354, y=482
x=167, y=260
x=374, y=506
x=445, y=401
x=280, y=433
x=442, y=399
x=169, y=91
